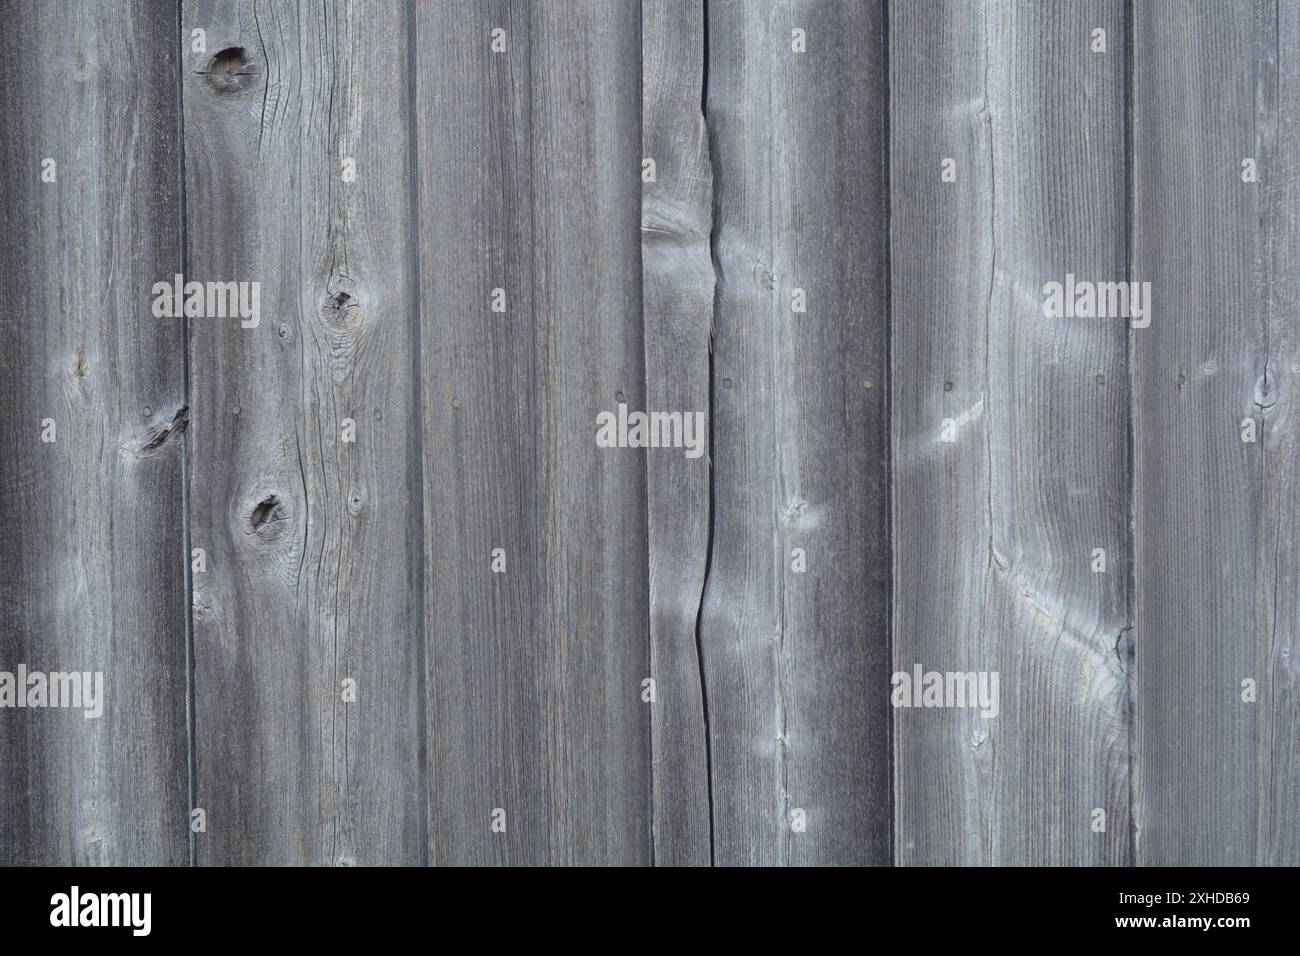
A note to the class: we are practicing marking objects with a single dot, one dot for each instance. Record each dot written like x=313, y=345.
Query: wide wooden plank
x=1215, y=515
x=677, y=290
x=93, y=557
x=304, y=436
x=1010, y=429
x=794, y=623
x=529, y=145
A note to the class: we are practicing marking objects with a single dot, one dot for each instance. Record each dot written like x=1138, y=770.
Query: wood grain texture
x=394, y=482
x=1215, y=516
x=92, y=563
x=796, y=663
x=994, y=531
x=311, y=539
x=678, y=287
x=529, y=183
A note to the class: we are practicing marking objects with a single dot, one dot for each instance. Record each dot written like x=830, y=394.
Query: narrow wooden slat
x=1215, y=516
x=1277, y=821
x=311, y=538
x=529, y=162
x=92, y=563
x=995, y=530
x=591, y=509
x=678, y=286
x=486, y=750
x=796, y=662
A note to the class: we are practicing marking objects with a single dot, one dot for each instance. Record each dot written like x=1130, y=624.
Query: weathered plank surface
x=92, y=562
x=1215, y=516
x=529, y=163
x=994, y=531
x=311, y=538
x=796, y=663
x=678, y=286
x=424, y=602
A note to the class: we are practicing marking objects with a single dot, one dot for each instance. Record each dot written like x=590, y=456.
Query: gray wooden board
x=677, y=290
x=1215, y=516
x=312, y=562
x=994, y=531
x=796, y=663
x=529, y=183
x=91, y=568
x=353, y=463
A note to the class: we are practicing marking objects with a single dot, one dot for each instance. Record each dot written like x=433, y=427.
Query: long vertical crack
x=1129, y=654
x=191, y=758
x=887, y=381
x=708, y=553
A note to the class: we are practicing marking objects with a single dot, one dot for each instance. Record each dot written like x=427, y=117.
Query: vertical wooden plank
x=486, y=746
x=678, y=287
x=586, y=134
x=1277, y=823
x=796, y=662
x=996, y=528
x=91, y=571
x=528, y=183
x=311, y=537
x=1216, y=569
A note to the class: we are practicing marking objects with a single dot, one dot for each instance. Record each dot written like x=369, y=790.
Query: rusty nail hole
x=948, y=386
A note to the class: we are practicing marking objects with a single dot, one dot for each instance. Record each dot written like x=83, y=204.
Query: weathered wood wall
x=364, y=589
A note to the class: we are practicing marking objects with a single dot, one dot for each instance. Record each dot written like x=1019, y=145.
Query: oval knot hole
x=266, y=518
x=342, y=311
x=230, y=70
